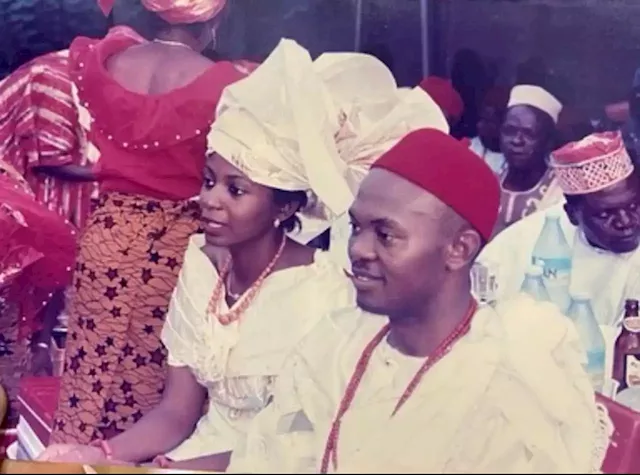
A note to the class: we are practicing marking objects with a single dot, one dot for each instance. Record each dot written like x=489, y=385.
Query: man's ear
x=572, y=213
x=464, y=249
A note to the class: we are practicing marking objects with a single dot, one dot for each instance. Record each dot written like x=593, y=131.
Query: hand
x=41, y=364
x=72, y=453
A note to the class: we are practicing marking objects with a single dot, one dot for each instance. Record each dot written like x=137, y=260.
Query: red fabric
x=598, y=145
x=37, y=249
x=447, y=169
x=153, y=145
x=106, y=6
x=181, y=11
x=39, y=126
x=622, y=455
x=38, y=400
x=443, y=93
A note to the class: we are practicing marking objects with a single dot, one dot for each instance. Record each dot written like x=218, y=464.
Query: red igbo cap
x=447, y=169
x=443, y=93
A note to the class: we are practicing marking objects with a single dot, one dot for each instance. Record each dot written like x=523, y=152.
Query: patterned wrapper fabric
x=40, y=127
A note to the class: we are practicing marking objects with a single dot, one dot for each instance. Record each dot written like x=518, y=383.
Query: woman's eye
x=235, y=191
x=208, y=183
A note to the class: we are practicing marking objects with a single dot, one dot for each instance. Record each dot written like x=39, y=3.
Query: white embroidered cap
x=297, y=124
x=594, y=163
x=538, y=97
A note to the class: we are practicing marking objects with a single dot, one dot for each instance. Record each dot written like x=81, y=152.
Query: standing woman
x=147, y=107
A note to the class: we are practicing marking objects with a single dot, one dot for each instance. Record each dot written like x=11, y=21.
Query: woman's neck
x=250, y=259
x=524, y=179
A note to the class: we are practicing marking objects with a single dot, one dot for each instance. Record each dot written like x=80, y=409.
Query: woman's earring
x=276, y=223
x=214, y=39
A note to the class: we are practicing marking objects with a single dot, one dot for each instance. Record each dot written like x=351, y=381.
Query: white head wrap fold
x=297, y=124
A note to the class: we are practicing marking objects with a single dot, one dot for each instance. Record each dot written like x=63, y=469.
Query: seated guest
x=444, y=94
x=248, y=293
x=526, y=139
x=37, y=251
x=487, y=143
x=419, y=364
x=600, y=220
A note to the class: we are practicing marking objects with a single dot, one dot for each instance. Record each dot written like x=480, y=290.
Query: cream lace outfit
x=239, y=363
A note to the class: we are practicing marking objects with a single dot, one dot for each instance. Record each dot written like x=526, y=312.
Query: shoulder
x=542, y=358
x=324, y=278
x=343, y=330
x=198, y=266
x=524, y=227
x=540, y=389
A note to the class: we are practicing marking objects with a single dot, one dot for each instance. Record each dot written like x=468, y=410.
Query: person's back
x=145, y=104
x=160, y=68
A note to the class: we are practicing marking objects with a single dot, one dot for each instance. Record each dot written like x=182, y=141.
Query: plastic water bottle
x=553, y=254
x=533, y=284
x=581, y=313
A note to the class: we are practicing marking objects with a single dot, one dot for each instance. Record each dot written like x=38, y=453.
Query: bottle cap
x=534, y=271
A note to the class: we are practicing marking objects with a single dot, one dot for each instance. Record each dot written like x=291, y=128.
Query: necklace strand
x=171, y=43
x=331, y=448
x=246, y=298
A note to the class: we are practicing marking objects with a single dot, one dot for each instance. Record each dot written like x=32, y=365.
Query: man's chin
x=371, y=307
x=623, y=247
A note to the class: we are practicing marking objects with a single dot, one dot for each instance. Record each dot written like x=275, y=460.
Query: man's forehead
x=619, y=193
x=385, y=193
x=523, y=116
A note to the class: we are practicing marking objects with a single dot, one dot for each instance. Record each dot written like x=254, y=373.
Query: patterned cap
x=592, y=164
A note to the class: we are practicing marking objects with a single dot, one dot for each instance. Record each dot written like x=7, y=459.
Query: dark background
x=592, y=47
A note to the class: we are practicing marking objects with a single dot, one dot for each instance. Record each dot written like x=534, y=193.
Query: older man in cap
x=600, y=221
x=526, y=138
x=418, y=378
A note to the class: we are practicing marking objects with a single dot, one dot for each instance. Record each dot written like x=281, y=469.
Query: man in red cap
x=600, y=220
x=418, y=378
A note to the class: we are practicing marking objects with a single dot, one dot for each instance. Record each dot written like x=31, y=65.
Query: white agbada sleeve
x=280, y=439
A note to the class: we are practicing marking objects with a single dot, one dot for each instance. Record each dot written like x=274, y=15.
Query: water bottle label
x=632, y=371
x=558, y=270
x=631, y=324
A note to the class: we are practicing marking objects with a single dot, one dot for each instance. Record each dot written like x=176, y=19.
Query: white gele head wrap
x=535, y=96
x=296, y=124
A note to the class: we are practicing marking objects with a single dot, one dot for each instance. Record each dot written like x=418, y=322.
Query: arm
x=168, y=424
x=70, y=172
x=41, y=341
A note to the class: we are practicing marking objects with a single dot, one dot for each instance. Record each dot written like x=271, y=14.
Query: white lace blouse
x=238, y=363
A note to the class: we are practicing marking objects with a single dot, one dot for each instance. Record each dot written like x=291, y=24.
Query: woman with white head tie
x=248, y=293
